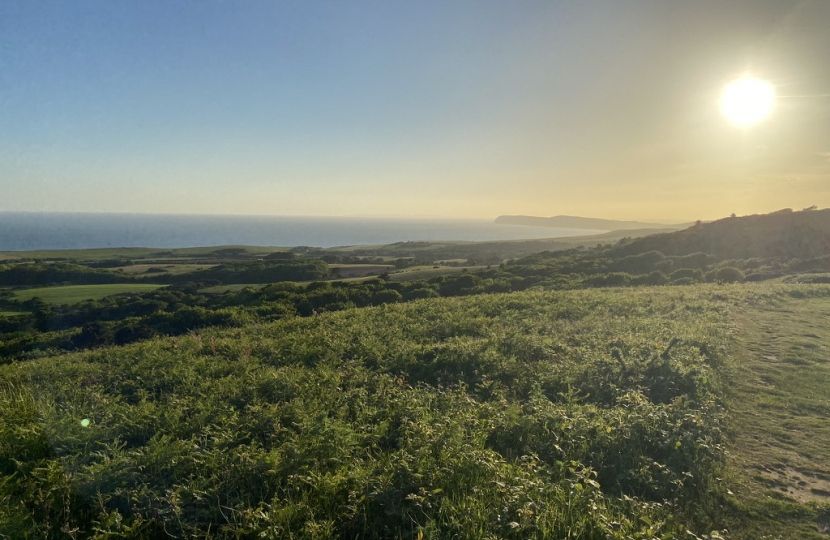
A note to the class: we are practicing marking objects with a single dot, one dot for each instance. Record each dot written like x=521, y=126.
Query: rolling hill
x=576, y=222
x=784, y=233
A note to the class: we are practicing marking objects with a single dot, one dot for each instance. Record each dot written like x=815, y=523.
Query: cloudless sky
x=427, y=108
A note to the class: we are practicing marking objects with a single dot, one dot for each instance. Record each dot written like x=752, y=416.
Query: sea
x=21, y=231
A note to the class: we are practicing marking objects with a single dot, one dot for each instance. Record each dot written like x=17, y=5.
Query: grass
x=72, y=294
x=168, y=268
x=81, y=254
x=780, y=402
x=598, y=414
x=11, y=313
x=219, y=289
x=359, y=270
x=586, y=414
x=426, y=272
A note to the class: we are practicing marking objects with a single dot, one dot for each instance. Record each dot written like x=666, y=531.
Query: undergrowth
x=586, y=414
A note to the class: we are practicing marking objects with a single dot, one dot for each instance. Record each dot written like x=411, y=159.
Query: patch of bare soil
x=802, y=486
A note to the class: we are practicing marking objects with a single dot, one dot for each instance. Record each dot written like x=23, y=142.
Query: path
x=779, y=452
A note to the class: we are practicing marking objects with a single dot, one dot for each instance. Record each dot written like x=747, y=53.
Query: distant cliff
x=574, y=222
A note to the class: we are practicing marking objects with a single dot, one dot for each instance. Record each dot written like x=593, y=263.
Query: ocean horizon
x=25, y=231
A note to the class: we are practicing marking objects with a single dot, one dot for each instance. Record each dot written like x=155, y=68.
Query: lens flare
x=747, y=101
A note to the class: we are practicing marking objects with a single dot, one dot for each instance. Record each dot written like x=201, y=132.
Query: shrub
x=729, y=275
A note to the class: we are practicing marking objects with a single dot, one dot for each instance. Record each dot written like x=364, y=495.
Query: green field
x=358, y=270
x=136, y=253
x=163, y=268
x=427, y=272
x=81, y=254
x=219, y=289
x=72, y=294
x=10, y=313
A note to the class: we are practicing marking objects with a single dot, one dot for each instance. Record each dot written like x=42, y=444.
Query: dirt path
x=779, y=451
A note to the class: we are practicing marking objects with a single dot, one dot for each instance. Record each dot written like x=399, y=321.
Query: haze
x=462, y=109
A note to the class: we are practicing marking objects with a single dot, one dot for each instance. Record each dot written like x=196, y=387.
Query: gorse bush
x=588, y=414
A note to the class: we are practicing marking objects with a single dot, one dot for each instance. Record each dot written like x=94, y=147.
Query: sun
x=747, y=101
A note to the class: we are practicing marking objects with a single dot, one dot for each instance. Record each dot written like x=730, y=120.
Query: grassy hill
x=482, y=404
x=582, y=414
x=576, y=222
x=785, y=234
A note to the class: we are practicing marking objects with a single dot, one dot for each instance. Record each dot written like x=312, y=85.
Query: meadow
x=72, y=294
x=602, y=413
x=586, y=414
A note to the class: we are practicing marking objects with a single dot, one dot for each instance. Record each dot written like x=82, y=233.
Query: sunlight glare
x=747, y=101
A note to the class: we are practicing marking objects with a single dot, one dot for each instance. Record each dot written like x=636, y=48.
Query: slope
x=785, y=234
x=779, y=402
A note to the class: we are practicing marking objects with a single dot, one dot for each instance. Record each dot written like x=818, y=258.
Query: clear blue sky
x=468, y=109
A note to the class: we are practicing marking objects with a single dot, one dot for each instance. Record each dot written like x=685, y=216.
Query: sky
x=467, y=109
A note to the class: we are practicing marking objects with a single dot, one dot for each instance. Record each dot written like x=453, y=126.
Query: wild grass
x=588, y=414
x=73, y=294
x=427, y=272
x=779, y=401
x=163, y=268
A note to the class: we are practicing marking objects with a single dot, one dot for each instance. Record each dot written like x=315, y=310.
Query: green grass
x=426, y=272
x=219, y=289
x=11, y=313
x=780, y=402
x=81, y=254
x=72, y=294
x=169, y=268
x=586, y=414
x=358, y=270
x=595, y=414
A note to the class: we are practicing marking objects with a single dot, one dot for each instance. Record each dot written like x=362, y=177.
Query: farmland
x=72, y=294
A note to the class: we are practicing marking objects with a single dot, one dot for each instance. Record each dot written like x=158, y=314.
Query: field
x=165, y=268
x=359, y=270
x=218, y=289
x=427, y=272
x=136, y=253
x=663, y=413
x=72, y=294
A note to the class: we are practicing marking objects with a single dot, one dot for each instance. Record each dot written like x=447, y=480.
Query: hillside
x=575, y=222
x=787, y=234
x=385, y=409
x=543, y=415
x=581, y=414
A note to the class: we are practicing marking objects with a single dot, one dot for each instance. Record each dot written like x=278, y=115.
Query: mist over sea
x=35, y=230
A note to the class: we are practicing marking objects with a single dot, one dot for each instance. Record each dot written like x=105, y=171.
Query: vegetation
x=59, y=272
x=176, y=312
x=550, y=415
x=525, y=399
x=785, y=233
x=73, y=294
x=779, y=401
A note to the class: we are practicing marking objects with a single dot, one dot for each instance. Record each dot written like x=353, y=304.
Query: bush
x=654, y=278
x=694, y=274
x=729, y=275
